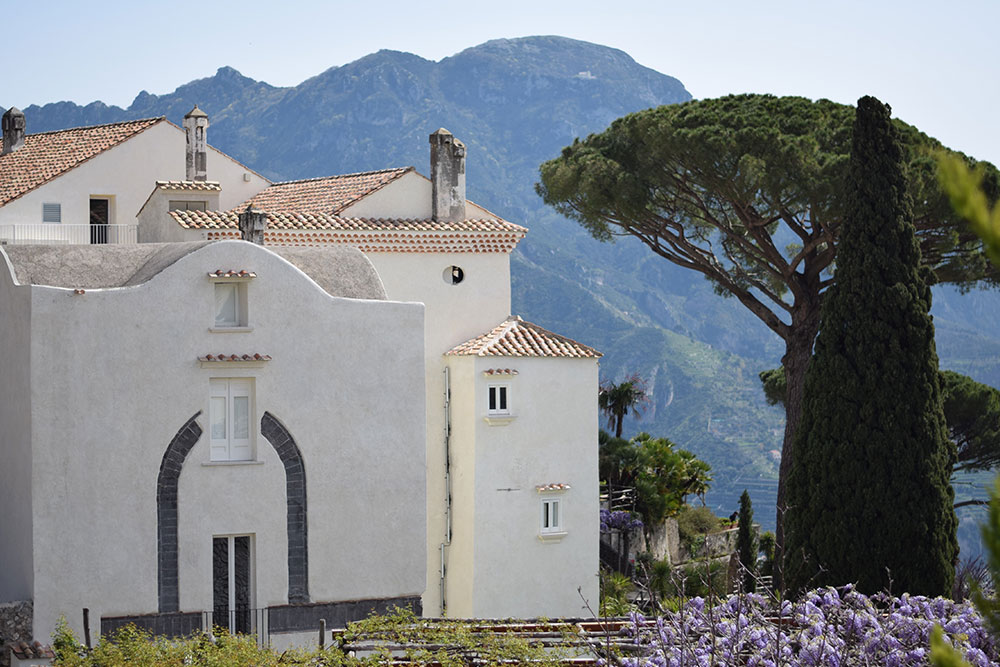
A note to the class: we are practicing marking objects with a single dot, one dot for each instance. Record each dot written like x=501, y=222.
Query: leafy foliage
x=702, y=578
x=972, y=412
x=693, y=524
x=968, y=191
x=873, y=440
x=131, y=646
x=615, y=589
x=662, y=475
x=445, y=643
x=766, y=547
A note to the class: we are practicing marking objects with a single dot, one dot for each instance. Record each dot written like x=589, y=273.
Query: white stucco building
x=86, y=185
x=385, y=283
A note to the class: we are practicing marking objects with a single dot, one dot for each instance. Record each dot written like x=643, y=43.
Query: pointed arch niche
x=166, y=510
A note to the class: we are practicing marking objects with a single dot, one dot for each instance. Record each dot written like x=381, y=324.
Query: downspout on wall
x=447, y=485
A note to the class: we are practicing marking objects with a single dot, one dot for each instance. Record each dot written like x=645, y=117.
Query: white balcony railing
x=49, y=234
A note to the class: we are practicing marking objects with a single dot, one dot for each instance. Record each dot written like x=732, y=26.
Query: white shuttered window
x=231, y=419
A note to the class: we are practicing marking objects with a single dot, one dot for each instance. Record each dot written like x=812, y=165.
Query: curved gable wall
x=346, y=378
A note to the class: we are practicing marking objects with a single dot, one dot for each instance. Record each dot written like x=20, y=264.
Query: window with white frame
x=230, y=304
x=551, y=516
x=498, y=396
x=231, y=419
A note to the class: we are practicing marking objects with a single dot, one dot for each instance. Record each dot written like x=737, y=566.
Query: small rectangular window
x=181, y=205
x=230, y=304
x=231, y=419
x=551, y=515
x=497, y=399
x=51, y=212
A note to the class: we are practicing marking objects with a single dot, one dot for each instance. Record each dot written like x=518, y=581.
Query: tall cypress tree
x=869, y=497
x=746, y=545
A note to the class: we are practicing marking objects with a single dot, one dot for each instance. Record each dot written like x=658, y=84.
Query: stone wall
x=15, y=626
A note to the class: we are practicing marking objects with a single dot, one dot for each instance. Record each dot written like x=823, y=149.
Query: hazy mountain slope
x=516, y=103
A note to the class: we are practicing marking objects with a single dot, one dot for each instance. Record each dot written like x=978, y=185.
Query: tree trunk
x=798, y=351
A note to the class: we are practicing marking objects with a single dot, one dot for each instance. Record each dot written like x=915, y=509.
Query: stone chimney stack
x=13, y=130
x=252, y=225
x=195, y=127
x=447, y=177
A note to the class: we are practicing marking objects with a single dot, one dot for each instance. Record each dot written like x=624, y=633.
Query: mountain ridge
x=515, y=103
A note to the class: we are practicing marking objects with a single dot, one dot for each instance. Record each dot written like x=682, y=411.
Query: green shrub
x=615, y=588
x=696, y=579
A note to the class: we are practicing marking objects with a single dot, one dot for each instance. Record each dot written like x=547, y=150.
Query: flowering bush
x=619, y=520
x=828, y=627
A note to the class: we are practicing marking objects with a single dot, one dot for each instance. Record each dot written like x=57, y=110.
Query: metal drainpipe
x=447, y=482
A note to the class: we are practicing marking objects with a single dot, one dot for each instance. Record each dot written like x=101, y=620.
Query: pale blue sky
x=936, y=63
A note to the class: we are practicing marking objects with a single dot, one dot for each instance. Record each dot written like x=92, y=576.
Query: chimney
x=447, y=177
x=195, y=125
x=252, y=225
x=13, y=130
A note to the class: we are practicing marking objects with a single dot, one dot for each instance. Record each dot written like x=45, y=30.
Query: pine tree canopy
x=868, y=496
x=750, y=191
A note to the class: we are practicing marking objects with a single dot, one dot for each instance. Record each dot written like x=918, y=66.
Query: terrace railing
x=70, y=234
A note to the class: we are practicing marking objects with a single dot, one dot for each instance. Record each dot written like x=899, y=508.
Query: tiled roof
x=49, y=154
x=33, y=651
x=517, y=338
x=329, y=195
x=189, y=186
x=308, y=221
x=367, y=234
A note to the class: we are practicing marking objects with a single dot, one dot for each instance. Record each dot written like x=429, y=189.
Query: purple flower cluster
x=619, y=520
x=827, y=627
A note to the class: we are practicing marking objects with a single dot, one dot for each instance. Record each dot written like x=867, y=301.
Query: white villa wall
x=346, y=379
x=453, y=315
x=126, y=174
x=15, y=438
x=408, y=197
x=552, y=439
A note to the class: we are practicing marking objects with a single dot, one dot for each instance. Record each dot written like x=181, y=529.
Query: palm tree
x=615, y=400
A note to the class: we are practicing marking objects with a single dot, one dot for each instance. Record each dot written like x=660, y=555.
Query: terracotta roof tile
x=328, y=195
x=232, y=273
x=189, y=186
x=223, y=358
x=555, y=486
x=517, y=338
x=33, y=651
x=500, y=371
x=49, y=154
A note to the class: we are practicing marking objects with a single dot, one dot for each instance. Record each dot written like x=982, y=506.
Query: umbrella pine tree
x=869, y=497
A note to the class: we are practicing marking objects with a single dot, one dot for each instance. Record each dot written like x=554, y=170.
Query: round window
x=453, y=275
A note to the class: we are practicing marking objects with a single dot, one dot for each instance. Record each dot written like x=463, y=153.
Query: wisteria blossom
x=828, y=627
x=619, y=520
